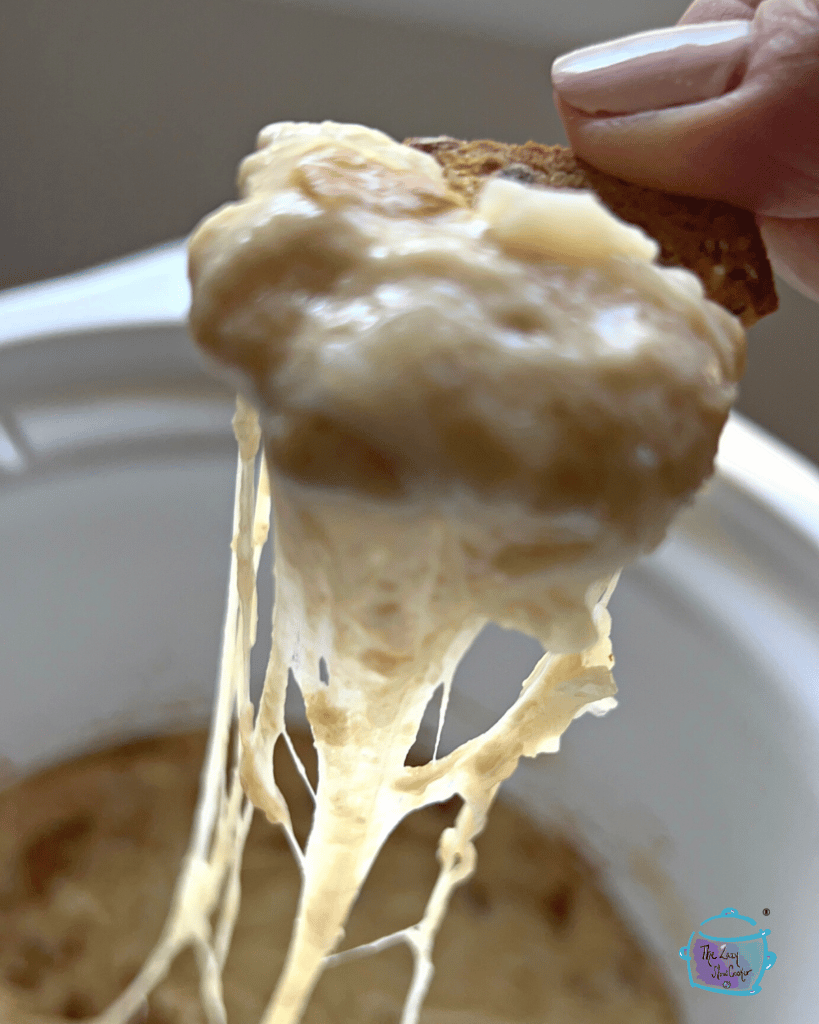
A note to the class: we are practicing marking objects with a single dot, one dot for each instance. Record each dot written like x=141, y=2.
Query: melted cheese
x=468, y=416
x=562, y=225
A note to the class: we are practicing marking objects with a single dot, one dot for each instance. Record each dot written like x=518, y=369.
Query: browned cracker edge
x=720, y=243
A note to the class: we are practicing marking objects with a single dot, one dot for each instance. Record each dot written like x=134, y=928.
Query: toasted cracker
x=720, y=243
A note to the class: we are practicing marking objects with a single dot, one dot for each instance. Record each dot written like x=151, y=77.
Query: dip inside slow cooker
x=90, y=850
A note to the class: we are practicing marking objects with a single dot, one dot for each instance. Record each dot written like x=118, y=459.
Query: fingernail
x=653, y=70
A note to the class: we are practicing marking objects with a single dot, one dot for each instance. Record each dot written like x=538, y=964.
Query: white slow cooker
x=699, y=792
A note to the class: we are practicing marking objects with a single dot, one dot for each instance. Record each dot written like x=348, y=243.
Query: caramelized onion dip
x=466, y=414
x=88, y=856
x=524, y=353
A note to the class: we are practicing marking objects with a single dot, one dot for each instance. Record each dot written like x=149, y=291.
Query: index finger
x=755, y=145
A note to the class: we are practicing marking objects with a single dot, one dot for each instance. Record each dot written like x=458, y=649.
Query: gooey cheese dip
x=468, y=415
x=526, y=353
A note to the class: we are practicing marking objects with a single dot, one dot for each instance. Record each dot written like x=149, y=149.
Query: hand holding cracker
x=724, y=106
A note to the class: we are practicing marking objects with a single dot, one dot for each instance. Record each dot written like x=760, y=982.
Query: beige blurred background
x=121, y=123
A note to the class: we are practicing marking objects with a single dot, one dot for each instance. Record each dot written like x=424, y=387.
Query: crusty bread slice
x=720, y=243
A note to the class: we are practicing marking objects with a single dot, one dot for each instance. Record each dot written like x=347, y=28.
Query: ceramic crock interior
x=692, y=795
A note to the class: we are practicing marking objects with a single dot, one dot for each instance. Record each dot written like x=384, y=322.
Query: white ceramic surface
x=699, y=792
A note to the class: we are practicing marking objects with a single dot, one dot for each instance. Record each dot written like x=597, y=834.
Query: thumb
x=724, y=109
x=793, y=249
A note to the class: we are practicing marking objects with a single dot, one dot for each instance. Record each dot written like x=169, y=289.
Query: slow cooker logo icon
x=725, y=955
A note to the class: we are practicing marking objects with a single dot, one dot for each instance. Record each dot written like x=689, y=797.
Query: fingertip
x=568, y=115
x=634, y=147
x=582, y=130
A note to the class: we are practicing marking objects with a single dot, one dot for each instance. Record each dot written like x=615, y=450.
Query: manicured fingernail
x=653, y=70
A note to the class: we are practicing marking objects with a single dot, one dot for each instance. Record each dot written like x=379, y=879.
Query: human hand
x=725, y=105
